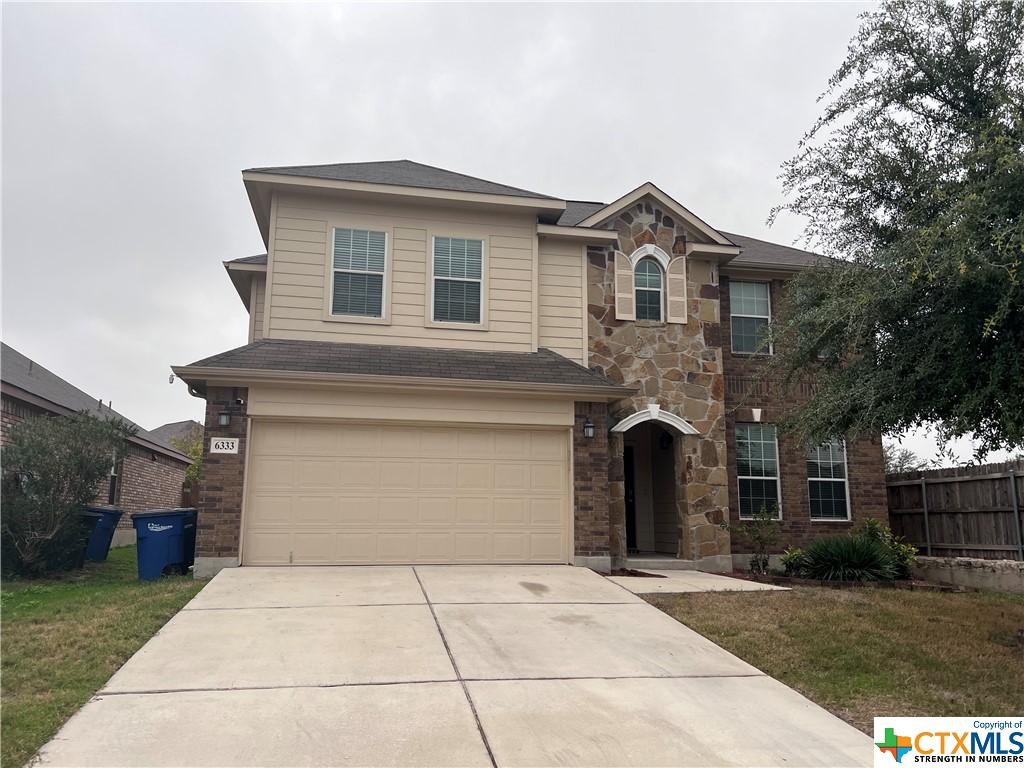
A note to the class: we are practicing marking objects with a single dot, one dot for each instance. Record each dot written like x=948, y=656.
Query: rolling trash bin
x=99, y=541
x=89, y=521
x=190, y=537
x=160, y=540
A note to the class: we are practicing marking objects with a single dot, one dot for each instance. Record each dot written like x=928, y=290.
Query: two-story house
x=442, y=369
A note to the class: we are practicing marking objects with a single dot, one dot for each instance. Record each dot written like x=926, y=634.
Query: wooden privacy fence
x=960, y=512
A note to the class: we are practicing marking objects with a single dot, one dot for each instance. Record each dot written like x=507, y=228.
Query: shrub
x=762, y=532
x=904, y=554
x=848, y=558
x=51, y=469
x=793, y=561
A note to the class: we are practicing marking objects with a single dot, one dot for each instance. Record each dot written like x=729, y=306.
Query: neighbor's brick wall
x=14, y=412
x=863, y=456
x=220, y=487
x=590, y=481
x=148, y=483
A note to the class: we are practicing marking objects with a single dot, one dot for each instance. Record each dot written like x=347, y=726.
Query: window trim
x=661, y=291
x=845, y=481
x=778, y=468
x=733, y=313
x=328, y=305
x=432, y=279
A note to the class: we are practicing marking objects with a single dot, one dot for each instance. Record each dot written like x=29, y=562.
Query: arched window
x=649, y=282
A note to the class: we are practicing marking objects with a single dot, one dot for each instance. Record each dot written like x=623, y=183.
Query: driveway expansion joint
x=455, y=667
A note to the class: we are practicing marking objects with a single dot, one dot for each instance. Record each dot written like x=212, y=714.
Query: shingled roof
x=761, y=252
x=541, y=367
x=401, y=173
x=27, y=375
x=260, y=258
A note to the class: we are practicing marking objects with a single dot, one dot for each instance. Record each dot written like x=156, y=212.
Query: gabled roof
x=50, y=391
x=578, y=210
x=260, y=258
x=401, y=173
x=177, y=429
x=540, y=368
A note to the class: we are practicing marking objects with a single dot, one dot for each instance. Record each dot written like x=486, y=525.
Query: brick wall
x=220, y=487
x=743, y=392
x=590, y=481
x=14, y=412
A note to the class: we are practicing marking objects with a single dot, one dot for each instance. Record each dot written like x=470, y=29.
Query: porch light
x=588, y=428
x=224, y=418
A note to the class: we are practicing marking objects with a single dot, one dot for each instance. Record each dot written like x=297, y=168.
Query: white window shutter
x=675, y=297
x=625, y=297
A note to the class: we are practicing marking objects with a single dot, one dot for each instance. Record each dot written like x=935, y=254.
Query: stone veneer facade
x=675, y=365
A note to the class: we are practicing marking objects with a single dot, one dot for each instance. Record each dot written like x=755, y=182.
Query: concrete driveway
x=441, y=666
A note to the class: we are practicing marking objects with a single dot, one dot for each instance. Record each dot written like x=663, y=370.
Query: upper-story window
x=751, y=314
x=757, y=470
x=650, y=284
x=359, y=267
x=458, y=279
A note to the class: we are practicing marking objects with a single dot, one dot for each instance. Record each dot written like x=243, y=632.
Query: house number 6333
x=224, y=445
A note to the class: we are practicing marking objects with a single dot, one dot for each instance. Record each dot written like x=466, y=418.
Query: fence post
x=1016, y=514
x=927, y=529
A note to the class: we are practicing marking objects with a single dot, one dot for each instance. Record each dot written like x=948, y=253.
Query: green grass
x=63, y=639
x=865, y=653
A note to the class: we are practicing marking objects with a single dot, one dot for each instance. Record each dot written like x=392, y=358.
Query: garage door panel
x=342, y=493
x=359, y=474
x=358, y=511
x=473, y=511
x=275, y=472
x=318, y=472
x=319, y=511
x=436, y=511
x=398, y=474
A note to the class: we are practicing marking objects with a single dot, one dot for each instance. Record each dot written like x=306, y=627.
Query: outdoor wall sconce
x=665, y=441
x=588, y=428
x=756, y=413
x=224, y=418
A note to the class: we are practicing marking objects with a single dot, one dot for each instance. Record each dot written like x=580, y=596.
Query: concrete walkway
x=441, y=666
x=690, y=581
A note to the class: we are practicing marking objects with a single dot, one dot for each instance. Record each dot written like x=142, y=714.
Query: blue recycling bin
x=190, y=537
x=160, y=540
x=99, y=540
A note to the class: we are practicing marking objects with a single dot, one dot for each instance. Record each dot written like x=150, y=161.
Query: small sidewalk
x=690, y=581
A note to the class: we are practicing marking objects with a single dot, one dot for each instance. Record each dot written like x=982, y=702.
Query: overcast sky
x=126, y=126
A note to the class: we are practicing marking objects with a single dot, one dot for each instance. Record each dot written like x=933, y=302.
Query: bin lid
x=159, y=513
x=101, y=508
x=89, y=513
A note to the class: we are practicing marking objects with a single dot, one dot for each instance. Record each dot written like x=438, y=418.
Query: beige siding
x=377, y=405
x=256, y=302
x=300, y=273
x=561, y=305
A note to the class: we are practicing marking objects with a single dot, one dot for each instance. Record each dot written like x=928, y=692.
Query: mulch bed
x=909, y=584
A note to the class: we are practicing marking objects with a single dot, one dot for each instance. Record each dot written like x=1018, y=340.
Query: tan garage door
x=320, y=494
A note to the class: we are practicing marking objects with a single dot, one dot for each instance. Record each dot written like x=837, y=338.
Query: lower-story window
x=757, y=466
x=827, y=481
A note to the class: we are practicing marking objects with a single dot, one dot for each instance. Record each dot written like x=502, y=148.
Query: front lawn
x=64, y=638
x=864, y=653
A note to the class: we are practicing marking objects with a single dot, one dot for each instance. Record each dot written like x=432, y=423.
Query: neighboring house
x=442, y=369
x=178, y=430
x=149, y=477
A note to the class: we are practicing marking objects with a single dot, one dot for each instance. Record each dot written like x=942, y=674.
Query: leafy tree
x=53, y=467
x=191, y=444
x=898, y=459
x=914, y=178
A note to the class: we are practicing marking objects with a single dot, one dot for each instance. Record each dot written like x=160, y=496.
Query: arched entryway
x=651, y=454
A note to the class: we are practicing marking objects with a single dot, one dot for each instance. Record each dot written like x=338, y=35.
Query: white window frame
x=385, y=279
x=481, y=323
x=733, y=313
x=778, y=471
x=661, y=291
x=845, y=481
